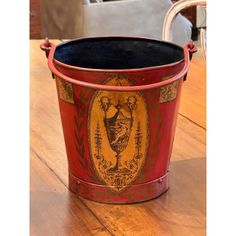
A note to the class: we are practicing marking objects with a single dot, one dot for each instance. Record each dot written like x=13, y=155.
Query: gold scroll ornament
x=118, y=135
x=169, y=92
x=65, y=90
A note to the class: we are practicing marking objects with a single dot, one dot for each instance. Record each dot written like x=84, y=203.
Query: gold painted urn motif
x=118, y=130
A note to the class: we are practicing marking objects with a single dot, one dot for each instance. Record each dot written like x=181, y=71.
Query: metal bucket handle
x=50, y=50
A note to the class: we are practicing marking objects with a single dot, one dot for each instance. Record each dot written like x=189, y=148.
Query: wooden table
x=56, y=211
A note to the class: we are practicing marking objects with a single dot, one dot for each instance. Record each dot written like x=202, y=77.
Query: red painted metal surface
x=156, y=89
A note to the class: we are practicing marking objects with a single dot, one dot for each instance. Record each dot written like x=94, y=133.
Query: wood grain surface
x=193, y=100
x=50, y=199
x=55, y=211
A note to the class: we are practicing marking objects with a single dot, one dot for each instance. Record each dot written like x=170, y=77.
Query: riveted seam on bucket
x=160, y=180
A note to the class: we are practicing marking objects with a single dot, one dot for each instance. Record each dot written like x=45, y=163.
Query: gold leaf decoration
x=65, y=90
x=169, y=92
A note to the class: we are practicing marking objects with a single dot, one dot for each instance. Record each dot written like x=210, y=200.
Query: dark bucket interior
x=118, y=53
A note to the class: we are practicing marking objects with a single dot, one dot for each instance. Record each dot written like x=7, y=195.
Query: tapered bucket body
x=118, y=99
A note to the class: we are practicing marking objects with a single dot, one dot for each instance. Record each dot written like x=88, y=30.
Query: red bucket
x=118, y=99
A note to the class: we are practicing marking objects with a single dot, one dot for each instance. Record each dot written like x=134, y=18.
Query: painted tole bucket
x=118, y=99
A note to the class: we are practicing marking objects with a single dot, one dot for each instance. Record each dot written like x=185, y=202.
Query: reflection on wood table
x=56, y=211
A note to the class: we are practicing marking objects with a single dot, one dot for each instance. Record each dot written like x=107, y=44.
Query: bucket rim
x=50, y=50
x=141, y=69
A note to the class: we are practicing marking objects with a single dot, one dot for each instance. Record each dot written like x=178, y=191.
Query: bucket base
x=133, y=194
